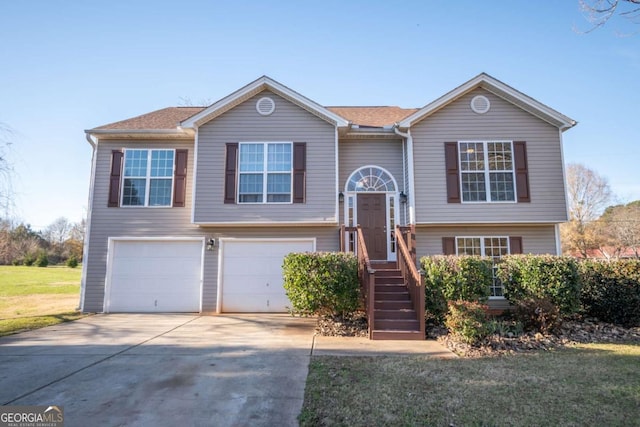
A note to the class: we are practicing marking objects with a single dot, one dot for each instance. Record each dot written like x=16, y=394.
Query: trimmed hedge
x=611, y=290
x=322, y=283
x=454, y=278
x=541, y=277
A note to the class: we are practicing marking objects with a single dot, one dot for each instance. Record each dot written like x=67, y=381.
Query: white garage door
x=252, y=274
x=154, y=276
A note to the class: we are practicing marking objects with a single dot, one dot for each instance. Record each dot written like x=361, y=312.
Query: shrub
x=72, y=262
x=541, y=276
x=611, y=290
x=452, y=278
x=42, y=260
x=322, y=283
x=538, y=315
x=29, y=260
x=467, y=321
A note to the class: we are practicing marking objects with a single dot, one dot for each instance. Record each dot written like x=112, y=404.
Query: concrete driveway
x=157, y=370
x=172, y=369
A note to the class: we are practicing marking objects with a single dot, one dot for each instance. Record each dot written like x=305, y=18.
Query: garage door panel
x=158, y=276
x=252, y=274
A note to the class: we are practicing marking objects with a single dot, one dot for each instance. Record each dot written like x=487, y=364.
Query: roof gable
x=499, y=89
x=254, y=88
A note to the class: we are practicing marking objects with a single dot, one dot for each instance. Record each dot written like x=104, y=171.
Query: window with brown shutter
x=180, y=179
x=231, y=161
x=449, y=245
x=515, y=245
x=114, y=178
x=452, y=172
x=522, y=171
x=299, y=171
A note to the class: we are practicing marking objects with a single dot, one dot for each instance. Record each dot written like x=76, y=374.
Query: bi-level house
x=192, y=209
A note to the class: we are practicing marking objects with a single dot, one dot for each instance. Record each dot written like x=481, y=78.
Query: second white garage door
x=252, y=274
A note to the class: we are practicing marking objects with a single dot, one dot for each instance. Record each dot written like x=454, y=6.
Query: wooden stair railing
x=412, y=277
x=367, y=276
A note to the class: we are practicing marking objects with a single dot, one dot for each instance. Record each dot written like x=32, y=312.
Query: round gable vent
x=480, y=104
x=265, y=106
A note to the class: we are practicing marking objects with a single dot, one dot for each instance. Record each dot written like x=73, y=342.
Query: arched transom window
x=371, y=178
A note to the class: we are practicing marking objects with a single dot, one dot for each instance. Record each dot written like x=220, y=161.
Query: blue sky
x=70, y=66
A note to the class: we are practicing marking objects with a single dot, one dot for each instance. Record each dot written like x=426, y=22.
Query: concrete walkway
x=134, y=369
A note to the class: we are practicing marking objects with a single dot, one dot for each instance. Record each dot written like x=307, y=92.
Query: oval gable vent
x=265, y=106
x=480, y=104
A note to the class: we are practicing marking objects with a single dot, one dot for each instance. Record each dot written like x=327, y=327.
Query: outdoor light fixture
x=211, y=244
x=341, y=197
x=403, y=197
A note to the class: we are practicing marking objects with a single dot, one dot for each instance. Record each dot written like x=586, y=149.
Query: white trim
x=267, y=224
x=498, y=88
x=87, y=231
x=224, y=240
x=337, y=175
x=253, y=88
x=147, y=178
x=106, y=303
x=564, y=176
x=556, y=230
x=265, y=173
x=194, y=175
x=391, y=256
x=487, y=172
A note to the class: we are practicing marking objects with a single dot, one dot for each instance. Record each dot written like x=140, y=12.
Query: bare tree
x=588, y=194
x=57, y=234
x=6, y=171
x=599, y=12
x=621, y=226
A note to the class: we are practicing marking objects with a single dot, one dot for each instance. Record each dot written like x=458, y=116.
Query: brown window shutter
x=453, y=174
x=515, y=245
x=449, y=245
x=522, y=171
x=114, y=178
x=180, y=179
x=299, y=171
x=230, y=172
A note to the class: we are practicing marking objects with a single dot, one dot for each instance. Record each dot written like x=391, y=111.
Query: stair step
x=390, y=287
x=396, y=335
x=392, y=296
x=384, y=265
x=404, y=314
x=396, y=324
x=389, y=280
x=388, y=273
x=393, y=305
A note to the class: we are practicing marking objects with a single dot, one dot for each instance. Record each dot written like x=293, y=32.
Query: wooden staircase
x=394, y=315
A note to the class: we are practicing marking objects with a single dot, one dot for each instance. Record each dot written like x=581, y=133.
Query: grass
x=34, y=297
x=589, y=385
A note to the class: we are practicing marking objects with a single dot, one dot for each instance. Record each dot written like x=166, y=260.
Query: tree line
x=60, y=242
x=597, y=228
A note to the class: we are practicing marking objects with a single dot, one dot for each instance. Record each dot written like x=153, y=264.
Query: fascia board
x=253, y=88
x=499, y=89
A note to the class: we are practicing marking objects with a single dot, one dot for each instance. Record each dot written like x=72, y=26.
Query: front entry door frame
x=392, y=197
x=372, y=218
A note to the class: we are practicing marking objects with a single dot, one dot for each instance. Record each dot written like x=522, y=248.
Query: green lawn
x=33, y=297
x=590, y=385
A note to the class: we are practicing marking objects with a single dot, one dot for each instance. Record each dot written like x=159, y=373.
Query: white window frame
x=147, y=178
x=482, y=254
x=265, y=172
x=487, y=171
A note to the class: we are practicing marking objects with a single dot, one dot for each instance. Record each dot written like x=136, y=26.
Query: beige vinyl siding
x=539, y=239
x=504, y=121
x=129, y=221
x=355, y=154
x=164, y=222
x=289, y=122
